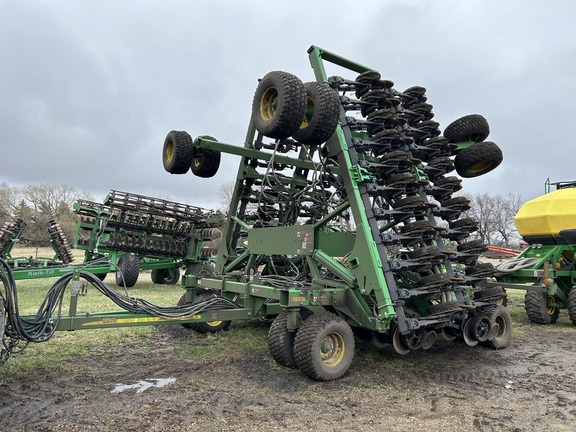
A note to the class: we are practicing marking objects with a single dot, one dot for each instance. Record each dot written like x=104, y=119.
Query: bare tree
x=225, y=194
x=495, y=215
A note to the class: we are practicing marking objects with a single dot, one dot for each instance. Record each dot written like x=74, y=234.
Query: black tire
x=478, y=159
x=321, y=115
x=324, y=347
x=500, y=317
x=205, y=162
x=572, y=305
x=535, y=305
x=200, y=270
x=177, y=152
x=165, y=276
x=279, y=104
x=101, y=276
x=473, y=127
x=204, y=327
x=281, y=341
x=128, y=271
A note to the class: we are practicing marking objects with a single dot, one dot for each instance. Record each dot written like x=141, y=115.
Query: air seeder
x=343, y=224
x=546, y=267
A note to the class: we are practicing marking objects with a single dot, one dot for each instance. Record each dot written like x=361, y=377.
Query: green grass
x=51, y=355
x=57, y=354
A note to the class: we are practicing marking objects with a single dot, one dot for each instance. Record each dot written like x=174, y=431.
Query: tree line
x=36, y=204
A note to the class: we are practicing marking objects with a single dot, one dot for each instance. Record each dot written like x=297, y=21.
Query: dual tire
x=322, y=347
x=283, y=106
x=480, y=157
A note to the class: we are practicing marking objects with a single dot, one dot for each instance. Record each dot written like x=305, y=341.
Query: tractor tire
x=279, y=104
x=478, y=159
x=535, y=304
x=572, y=305
x=473, y=127
x=500, y=316
x=165, y=276
x=281, y=341
x=321, y=115
x=324, y=347
x=177, y=152
x=128, y=271
x=205, y=162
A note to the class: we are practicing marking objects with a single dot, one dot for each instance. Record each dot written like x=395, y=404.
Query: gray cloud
x=88, y=90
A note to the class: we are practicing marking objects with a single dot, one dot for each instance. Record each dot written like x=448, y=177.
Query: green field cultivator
x=343, y=226
x=137, y=232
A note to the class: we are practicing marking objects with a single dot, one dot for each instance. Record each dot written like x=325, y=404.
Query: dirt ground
x=530, y=386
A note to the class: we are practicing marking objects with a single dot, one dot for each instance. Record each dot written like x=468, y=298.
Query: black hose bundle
x=43, y=325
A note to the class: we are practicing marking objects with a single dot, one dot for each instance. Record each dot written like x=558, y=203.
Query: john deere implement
x=343, y=224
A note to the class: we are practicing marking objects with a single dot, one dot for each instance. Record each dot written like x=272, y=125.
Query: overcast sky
x=89, y=89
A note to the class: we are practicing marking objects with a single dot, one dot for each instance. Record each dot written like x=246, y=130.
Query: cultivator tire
x=128, y=271
x=177, y=152
x=478, y=159
x=324, y=347
x=165, y=276
x=572, y=305
x=536, y=306
x=501, y=322
x=473, y=127
x=279, y=104
x=321, y=115
x=205, y=162
x=281, y=340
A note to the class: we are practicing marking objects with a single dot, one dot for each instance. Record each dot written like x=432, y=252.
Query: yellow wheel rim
x=169, y=153
x=213, y=323
x=268, y=103
x=308, y=114
x=332, y=349
x=480, y=167
x=549, y=308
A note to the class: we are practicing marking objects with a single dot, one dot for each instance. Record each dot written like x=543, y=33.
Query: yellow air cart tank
x=548, y=214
